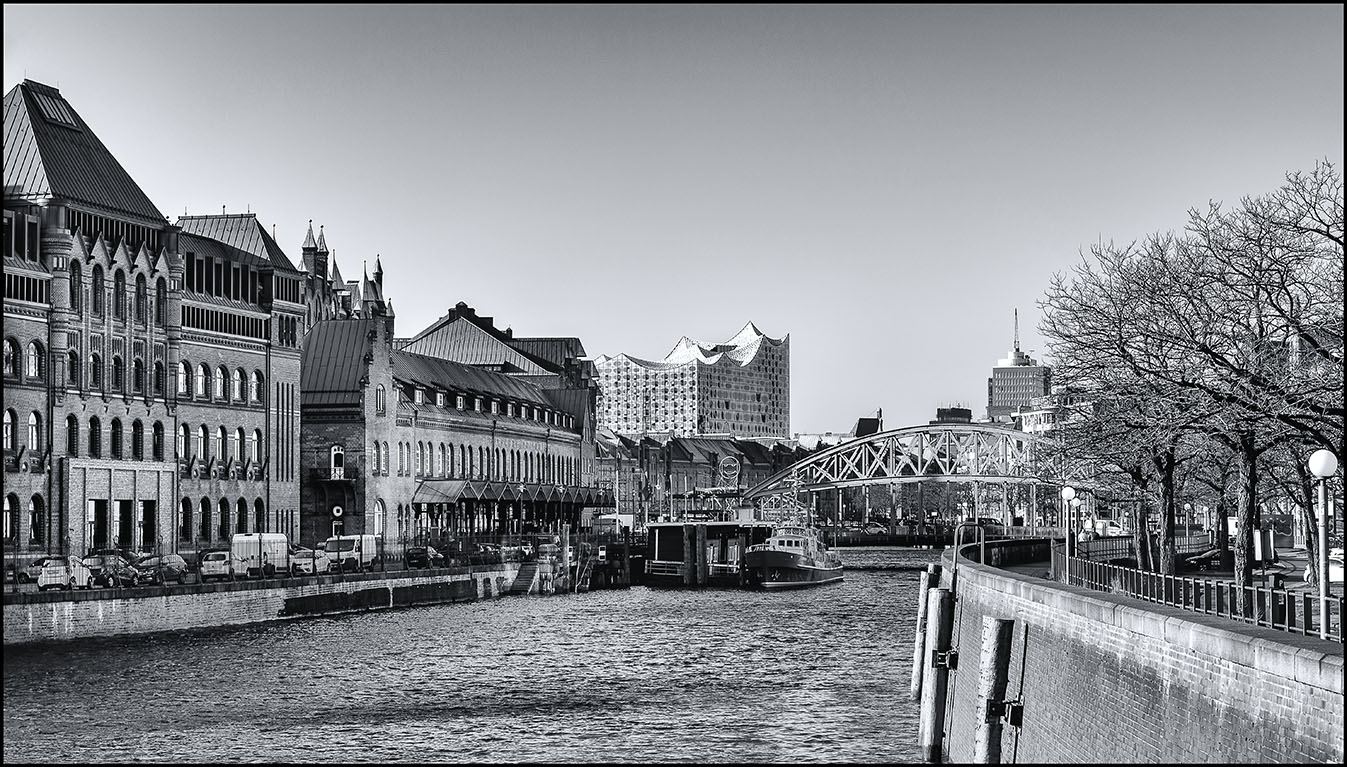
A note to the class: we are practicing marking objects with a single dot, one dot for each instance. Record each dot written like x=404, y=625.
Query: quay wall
x=1106, y=679
x=34, y=617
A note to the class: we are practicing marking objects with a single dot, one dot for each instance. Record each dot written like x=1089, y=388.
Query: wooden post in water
x=743, y=573
x=702, y=564
x=689, y=554
x=992, y=673
x=940, y=631
x=925, y=582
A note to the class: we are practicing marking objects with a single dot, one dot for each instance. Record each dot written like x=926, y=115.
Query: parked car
x=111, y=570
x=30, y=573
x=309, y=561
x=424, y=556
x=64, y=573
x=161, y=569
x=217, y=564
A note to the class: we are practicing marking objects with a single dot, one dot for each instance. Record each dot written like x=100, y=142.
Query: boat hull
x=787, y=570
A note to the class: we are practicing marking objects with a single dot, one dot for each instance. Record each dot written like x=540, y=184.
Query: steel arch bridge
x=939, y=452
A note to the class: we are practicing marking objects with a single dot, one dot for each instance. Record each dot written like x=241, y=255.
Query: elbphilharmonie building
x=739, y=388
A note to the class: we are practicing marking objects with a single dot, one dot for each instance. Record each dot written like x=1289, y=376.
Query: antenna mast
x=1017, y=330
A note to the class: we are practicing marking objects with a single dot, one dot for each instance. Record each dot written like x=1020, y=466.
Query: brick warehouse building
x=150, y=369
x=408, y=445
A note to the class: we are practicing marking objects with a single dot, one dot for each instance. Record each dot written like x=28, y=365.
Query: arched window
x=34, y=432
x=72, y=368
x=184, y=436
x=96, y=285
x=95, y=372
x=72, y=435
x=402, y=460
x=202, y=380
x=205, y=519
x=234, y=445
x=224, y=520
x=255, y=388
x=260, y=515
x=378, y=517
x=138, y=440
x=95, y=438
x=115, y=439
x=184, y=376
x=11, y=357
x=202, y=442
x=386, y=458
x=34, y=367
x=76, y=286
x=116, y=373
x=138, y=376
x=185, y=523
x=160, y=302
x=158, y=441
x=217, y=448
x=439, y=466
x=374, y=467
x=240, y=446
x=241, y=516
x=10, y=418
x=449, y=460
x=221, y=378
x=119, y=295
x=158, y=379
x=380, y=402
x=141, y=297
x=11, y=517
x=420, y=458
x=37, y=519
x=337, y=461
x=236, y=388
x=256, y=445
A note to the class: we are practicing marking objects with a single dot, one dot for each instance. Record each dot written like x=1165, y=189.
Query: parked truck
x=352, y=553
x=260, y=555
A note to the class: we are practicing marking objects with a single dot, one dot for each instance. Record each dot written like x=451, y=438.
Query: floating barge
x=697, y=554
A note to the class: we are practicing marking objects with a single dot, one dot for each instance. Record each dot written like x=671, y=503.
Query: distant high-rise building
x=1015, y=382
x=739, y=388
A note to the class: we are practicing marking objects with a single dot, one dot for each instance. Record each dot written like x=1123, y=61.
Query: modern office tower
x=1015, y=382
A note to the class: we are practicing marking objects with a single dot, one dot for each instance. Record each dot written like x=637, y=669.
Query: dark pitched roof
x=444, y=374
x=334, y=362
x=242, y=231
x=554, y=350
x=51, y=152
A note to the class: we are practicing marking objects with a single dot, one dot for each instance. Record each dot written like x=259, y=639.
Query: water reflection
x=641, y=674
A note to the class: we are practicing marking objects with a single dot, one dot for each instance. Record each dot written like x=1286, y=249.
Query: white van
x=260, y=555
x=352, y=552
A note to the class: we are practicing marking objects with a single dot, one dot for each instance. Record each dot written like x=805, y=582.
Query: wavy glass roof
x=742, y=349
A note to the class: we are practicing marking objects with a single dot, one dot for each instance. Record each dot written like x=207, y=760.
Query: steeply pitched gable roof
x=51, y=152
x=242, y=231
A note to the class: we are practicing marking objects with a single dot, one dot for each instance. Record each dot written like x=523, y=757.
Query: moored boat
x=792, y=557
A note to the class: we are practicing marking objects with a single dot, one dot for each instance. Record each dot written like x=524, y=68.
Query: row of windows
x=220, y=444
x=117, y=375
x=231, y=323
x=98, y=294
x=480, y=405
x=230, y=518
x=426, y=459
x=36, y=521
x=221, y=385
x=23, y=288
x=33, y=359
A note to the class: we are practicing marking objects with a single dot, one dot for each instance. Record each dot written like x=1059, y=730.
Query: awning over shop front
x=439, y=491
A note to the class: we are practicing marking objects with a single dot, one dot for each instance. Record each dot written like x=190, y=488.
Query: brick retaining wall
x=33, y=617
x=1107, y=679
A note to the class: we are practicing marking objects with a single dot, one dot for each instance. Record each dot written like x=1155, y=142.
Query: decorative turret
x=378, y=271
x=320, y=255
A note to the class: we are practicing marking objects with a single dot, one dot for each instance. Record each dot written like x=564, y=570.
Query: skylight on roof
x=55, y=109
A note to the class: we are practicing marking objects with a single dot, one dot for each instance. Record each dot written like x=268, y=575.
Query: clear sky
x=884, y=183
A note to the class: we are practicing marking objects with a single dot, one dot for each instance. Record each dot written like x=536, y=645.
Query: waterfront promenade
x=1107, y=677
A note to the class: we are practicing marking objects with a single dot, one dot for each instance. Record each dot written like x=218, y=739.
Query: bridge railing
x=1277, y=608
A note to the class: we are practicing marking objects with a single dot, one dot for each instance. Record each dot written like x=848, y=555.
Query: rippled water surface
x=623, y=675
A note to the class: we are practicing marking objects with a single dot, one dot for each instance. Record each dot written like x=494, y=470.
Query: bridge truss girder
x=983, y=453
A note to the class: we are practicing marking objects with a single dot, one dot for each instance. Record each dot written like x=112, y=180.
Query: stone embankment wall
x=32, y=617
x=1108, y=679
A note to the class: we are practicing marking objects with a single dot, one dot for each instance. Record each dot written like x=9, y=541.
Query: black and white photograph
x=645, y=384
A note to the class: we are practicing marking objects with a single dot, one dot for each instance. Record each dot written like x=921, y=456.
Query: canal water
x=618, y=676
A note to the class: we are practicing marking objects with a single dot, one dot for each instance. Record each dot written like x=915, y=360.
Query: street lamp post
x=1323, y=464
x=1068, y=493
